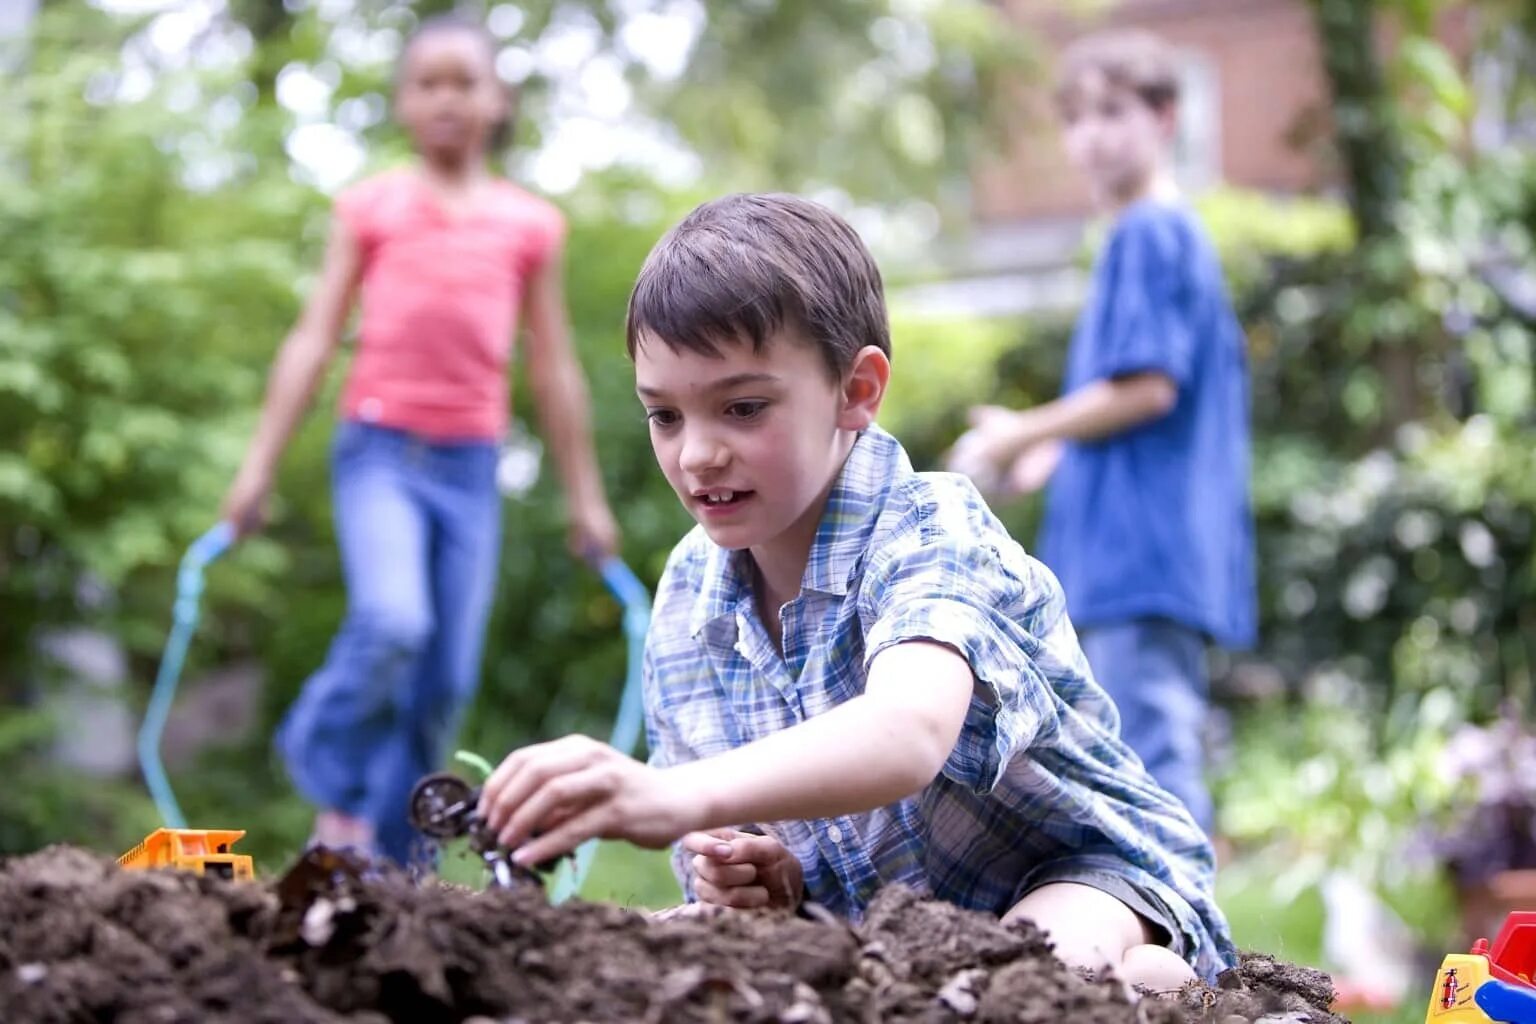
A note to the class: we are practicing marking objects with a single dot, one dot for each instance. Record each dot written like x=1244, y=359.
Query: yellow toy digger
x=1484, y=985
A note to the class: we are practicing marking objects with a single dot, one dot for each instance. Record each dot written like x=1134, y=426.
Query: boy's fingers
x=723, y=875
x=526, y=771
x=749, y=849
x=979, y=414
x=745, y=897
x=562, y=839
x=714, y=843
x=555, y=802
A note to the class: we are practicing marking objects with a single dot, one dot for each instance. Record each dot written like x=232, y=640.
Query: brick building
x=1253, y=97
x=1252, y=85
x=1253, y=115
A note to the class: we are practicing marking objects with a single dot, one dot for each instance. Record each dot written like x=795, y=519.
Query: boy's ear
x=864, y=388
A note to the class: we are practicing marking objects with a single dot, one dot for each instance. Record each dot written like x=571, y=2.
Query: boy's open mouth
x=722, y=499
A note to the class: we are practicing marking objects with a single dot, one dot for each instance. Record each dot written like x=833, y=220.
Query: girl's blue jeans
x=419, y=524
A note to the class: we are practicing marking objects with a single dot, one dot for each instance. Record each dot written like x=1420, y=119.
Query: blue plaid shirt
x=1039, y=786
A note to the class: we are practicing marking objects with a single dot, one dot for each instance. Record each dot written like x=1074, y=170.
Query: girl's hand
x=547, y=799
x=743, y=870
x=245, y=505
x=593, y=533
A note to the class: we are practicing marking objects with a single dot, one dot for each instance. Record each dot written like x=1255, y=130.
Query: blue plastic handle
x=189, y=590
x=636, y=602
x=1510, y=1004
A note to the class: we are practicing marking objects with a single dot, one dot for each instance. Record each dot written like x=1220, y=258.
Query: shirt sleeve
x=353, y=207
x=546, y=231
x=958, y=591
x=1144, y=317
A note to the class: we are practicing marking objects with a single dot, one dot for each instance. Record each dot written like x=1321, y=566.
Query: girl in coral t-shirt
x=439, y=257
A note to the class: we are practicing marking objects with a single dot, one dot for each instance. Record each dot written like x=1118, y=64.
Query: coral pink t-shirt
x=439, y=298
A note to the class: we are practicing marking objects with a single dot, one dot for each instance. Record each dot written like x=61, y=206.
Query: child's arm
x=1095, y=411
x=560, y=391
x=999, y=438
x=870, y=751
x=297, y=370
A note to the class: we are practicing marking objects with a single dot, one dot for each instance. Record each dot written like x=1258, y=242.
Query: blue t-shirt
x=1156, y=521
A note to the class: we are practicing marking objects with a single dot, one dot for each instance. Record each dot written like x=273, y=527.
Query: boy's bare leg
x=1093, y=930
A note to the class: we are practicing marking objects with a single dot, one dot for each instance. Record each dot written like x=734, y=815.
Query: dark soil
x=81, y=940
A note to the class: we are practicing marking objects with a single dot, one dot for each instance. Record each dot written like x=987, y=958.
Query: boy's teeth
x=719, y=499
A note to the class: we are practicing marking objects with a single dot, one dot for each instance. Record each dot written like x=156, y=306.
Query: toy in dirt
x=1489, y=986
x=203, y=851
x=443, y=806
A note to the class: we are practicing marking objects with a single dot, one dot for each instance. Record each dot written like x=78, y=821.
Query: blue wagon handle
x=621, y=582
x=189, y=591
x=636, y=602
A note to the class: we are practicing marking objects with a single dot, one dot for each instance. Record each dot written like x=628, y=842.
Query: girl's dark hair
x=458, y=21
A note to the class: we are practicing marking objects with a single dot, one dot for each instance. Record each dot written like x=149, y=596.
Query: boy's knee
x=1091, y=930
x=1156, y=969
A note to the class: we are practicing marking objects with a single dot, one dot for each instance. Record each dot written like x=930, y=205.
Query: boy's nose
x=702, y=453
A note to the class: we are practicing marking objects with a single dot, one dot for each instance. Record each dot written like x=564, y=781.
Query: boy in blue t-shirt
x=1147, y=521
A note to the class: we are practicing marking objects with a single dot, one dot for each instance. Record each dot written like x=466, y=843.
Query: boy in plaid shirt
x=854, y=676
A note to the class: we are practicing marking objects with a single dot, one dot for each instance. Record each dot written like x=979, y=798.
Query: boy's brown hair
x=1128, y=59
x=745, y=266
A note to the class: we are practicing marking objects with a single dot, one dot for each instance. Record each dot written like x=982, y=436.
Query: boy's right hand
x=1032, y=470
x=744, y=870
x=245, y=505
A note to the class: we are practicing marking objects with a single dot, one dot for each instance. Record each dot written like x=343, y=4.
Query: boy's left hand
x=546, y=799
x=744, y=870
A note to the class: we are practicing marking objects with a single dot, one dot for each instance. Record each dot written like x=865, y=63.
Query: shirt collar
x=874, y=464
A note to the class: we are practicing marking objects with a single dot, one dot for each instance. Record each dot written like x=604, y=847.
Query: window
x=1197, y=147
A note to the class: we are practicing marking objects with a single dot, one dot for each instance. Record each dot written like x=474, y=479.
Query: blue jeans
x=1155, y=671
x=419, y=524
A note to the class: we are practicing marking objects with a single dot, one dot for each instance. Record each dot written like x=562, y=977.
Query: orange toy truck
x=201, y=850
x=1489, y=985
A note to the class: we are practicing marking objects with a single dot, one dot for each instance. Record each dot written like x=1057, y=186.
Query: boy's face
x=1114, y=138
x=750, y=441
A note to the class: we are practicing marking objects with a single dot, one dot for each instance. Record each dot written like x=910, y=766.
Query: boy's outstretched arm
x=297, y=370
x=560, y=392
x=1098, y=410
x=873, y=750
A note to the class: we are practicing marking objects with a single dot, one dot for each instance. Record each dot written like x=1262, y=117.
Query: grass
x=1262, y=920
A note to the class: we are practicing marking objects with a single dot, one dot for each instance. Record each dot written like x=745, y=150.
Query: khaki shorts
x=1149, y=906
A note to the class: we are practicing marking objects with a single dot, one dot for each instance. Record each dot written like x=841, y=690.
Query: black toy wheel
x=441, y=805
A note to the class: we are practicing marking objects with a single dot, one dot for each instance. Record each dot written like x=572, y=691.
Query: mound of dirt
x=82, y=940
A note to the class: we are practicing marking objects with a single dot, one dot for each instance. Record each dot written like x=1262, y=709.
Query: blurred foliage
x=134, y=316
x=161, y=231
x=159, y=237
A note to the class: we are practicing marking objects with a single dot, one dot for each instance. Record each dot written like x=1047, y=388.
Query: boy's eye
x=745, y=410
x=661, y=417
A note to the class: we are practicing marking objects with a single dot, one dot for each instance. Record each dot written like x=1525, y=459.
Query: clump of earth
x=82, y=940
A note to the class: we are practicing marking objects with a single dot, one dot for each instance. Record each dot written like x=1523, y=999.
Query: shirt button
x=834, y=833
